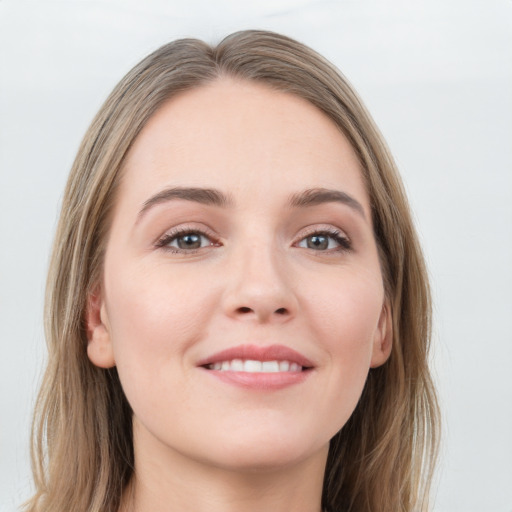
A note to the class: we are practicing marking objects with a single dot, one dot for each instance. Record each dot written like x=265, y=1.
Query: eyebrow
x=208, y=196
x=316, y=196
x=214, y=197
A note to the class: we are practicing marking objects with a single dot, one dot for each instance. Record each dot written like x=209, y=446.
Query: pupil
x=190, y=241
x=318, y=242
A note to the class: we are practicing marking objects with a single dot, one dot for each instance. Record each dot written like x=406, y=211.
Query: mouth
x=254, y=366
x=257, y=359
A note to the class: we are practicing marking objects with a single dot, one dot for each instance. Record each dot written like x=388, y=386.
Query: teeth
x=252, y=366
x=284, y=366
x=237, y=365
x=270, y=366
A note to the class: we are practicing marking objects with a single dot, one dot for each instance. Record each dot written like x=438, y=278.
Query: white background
x=437, y=76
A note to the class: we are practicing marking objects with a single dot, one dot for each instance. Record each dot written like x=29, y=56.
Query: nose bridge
x=259, y=286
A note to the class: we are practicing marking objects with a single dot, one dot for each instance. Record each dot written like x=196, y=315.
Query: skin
x=201, y=443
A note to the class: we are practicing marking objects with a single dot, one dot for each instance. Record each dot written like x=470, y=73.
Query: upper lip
x=258, y=353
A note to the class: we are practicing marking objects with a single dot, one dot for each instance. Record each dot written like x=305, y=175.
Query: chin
x=264, y=452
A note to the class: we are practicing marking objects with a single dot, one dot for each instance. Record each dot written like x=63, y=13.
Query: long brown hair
x=382, y=459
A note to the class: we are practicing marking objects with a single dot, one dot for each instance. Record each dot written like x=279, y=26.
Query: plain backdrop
x=437, y=76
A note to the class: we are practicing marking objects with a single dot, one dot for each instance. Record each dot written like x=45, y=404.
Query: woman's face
x=242, y=298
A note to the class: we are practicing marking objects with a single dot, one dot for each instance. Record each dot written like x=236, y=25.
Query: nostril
x=260, y=313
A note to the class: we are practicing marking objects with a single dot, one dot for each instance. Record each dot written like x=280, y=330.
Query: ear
x=383, y=340
x=99, y=343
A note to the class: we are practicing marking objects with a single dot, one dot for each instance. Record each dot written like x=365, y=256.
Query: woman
x=238, y=311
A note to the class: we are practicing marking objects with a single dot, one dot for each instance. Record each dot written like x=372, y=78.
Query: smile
x=260, y=368
x=254, y=366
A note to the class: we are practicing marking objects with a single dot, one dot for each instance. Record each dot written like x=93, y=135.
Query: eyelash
x=169, y=237
x=344, y=243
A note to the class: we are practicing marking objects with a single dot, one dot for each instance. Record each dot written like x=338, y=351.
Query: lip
x=259, y=381
x=258, y=353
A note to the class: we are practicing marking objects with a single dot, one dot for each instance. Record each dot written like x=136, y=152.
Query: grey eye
x=189, y=241
x=318, y=242
x=324, y=241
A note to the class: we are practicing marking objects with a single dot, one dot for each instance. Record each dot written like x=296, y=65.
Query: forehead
x=244, y=137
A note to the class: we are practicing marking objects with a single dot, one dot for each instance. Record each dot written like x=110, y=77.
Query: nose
x=258, y=287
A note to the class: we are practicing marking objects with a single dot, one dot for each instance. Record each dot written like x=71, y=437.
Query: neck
x=171, y=481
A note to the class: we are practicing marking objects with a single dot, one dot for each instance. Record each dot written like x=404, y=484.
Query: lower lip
x=259, y=380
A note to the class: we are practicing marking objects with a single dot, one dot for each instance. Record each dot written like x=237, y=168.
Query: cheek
x=152, y=322
x=153, y=315
x=346, y=319
x=348, y=313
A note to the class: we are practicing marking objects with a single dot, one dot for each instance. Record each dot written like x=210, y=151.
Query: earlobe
x=383, y=340
x=99, y=343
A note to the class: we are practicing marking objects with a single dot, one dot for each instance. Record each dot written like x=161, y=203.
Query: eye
x=325, y=241
x=189, y=241
x=185, y=241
